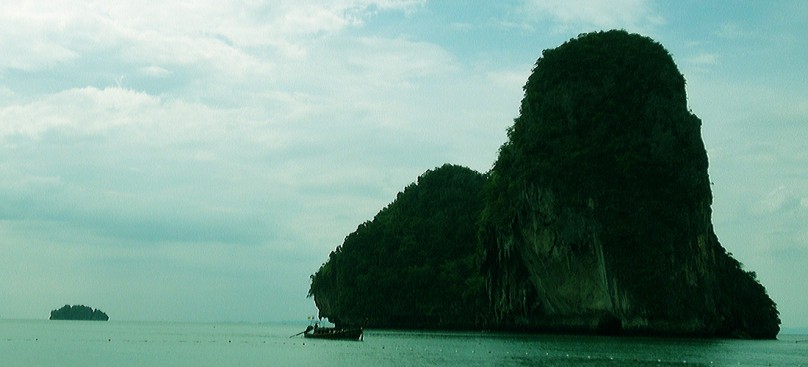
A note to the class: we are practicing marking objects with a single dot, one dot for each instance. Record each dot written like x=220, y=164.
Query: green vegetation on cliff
x=598, y=208
x=596, y=217
x=78, y=312
x=416, y=264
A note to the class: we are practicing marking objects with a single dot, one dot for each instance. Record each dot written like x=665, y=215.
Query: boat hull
x=335, y=334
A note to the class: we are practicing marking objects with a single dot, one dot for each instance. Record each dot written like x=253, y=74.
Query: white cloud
x=239, y=37
x=703, y=59
x=731, y=31
x=86, y=111
x=30, y=39
x=312, y=128
x=632, y=15
x=509, y=78
x=154, y=71
x=125, y=164
x=774, y=201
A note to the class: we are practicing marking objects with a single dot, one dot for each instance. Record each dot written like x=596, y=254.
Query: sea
x=118, y=343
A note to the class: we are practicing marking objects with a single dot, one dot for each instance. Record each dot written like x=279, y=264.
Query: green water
x=69, y=343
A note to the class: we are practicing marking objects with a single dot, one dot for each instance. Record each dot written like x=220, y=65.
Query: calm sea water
x=72, y=343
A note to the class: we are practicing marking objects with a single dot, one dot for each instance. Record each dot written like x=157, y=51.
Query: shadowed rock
x=598, y=214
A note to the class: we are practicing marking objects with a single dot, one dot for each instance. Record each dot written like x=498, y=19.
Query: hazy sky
x=198, y=161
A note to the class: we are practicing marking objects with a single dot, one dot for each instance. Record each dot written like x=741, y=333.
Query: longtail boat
x=334, y=333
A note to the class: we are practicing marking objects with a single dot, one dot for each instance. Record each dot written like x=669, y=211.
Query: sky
x=198, y=161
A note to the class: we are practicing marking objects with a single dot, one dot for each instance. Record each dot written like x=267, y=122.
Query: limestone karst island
x=595, y=218
x=78, y=312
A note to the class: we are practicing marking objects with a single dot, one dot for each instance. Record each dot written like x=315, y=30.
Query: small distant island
x=78, y=312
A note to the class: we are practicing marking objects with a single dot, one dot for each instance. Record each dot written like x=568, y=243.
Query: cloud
x=241, y=122
x=70, y=110
x=240, y=39
x=153, y=71
x=731, y=31
x=777, y=200
x=239, y=160
x=633, y=15
x=121, y=164
x=703, y=59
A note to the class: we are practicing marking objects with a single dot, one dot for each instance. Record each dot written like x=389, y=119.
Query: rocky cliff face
x=598, y=208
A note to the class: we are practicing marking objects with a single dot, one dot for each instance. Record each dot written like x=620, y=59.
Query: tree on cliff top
x=415, y=265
